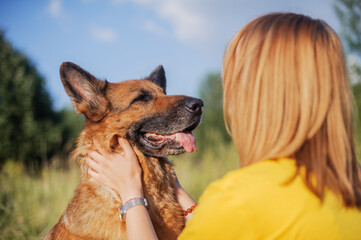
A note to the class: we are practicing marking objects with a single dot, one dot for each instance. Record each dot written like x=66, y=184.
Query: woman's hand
x=121, y=172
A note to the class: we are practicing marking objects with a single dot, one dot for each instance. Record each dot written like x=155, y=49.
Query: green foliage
x=212, y=130
x=357, y=94
x=357, y=118
x=26, y=111
x=349, y=14
x=30, y=207
x=70, y=125
x=31, y=131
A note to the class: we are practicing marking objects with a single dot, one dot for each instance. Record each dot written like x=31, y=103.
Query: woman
x=288, y=107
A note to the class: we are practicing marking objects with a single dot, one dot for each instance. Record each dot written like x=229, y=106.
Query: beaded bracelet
x=189, y=210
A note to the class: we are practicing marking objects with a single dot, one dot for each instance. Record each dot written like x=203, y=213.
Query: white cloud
x=103, y=34
x=55, y=8
x=200, y=22
x=188, y=24
x=153, y=27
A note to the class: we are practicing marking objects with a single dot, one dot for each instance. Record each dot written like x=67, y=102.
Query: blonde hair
x=286, y=94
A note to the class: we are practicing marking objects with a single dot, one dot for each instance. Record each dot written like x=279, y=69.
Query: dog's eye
x=142, y=97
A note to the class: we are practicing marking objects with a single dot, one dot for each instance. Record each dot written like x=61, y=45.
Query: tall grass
x=30, y=206
x=196, y=171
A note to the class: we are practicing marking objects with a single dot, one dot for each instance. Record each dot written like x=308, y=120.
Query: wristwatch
x=131, y=203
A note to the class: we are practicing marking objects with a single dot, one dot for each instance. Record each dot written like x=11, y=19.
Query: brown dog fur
x=121, y=109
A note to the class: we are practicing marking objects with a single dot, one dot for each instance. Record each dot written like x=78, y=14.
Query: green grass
x=196, y=171
x=30, y=206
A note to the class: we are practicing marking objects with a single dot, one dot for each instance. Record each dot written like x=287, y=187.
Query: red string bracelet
x=189, y=210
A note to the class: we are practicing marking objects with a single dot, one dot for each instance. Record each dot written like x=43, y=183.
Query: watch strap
x=131, y=203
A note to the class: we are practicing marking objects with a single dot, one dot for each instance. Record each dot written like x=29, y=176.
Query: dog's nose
x=193, y=105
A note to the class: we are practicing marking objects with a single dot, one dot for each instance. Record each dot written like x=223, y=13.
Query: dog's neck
x=158, y=185
x=151, y=166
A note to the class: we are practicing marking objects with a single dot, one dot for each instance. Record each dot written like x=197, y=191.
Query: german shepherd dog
x=155, y=124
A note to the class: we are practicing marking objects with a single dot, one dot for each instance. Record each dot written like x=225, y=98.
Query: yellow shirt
x=256, y=202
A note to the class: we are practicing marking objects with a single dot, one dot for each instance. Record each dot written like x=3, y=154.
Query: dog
x=155, y=124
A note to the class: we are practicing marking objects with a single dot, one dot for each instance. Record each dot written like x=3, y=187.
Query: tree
x=31, y=131
x=357, y=93
x=70, y=124
x=349, y=14
x=212, y=130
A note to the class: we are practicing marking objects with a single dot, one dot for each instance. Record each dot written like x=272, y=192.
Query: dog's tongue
x=187, y=140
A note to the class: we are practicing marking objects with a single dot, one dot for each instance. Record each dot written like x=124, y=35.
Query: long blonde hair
x=286, y=94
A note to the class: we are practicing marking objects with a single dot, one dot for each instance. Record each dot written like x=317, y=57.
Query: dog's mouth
x=159, y=143
x=169, y=133
x=176, y=141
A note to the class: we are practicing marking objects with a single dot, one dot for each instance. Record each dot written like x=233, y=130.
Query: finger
x=96, y=156
x=93, y=173
x=127, y=148
x=99, y=148
x=98, y=177
x=93, y=164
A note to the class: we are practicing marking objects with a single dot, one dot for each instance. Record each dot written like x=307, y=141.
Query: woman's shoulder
x=230, y=202
x=263, y=174
x=269, y=195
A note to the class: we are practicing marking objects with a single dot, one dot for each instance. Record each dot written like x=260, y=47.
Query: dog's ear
x=86, y=92
x=158, y=77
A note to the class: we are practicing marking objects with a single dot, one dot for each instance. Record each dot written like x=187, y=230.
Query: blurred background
x=120, y=40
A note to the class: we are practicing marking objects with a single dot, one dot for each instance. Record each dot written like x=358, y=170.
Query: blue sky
x=126, y=39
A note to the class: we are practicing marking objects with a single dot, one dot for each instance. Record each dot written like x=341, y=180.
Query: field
x=30, y=206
